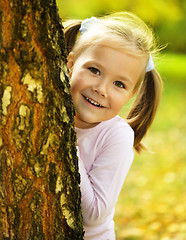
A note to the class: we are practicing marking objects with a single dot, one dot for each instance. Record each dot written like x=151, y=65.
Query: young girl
x=109, y=62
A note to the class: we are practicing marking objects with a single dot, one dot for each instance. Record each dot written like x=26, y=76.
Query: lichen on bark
x=39, y=179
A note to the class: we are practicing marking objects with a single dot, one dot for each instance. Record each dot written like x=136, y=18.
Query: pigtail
x=71, y=31
x=144, y=108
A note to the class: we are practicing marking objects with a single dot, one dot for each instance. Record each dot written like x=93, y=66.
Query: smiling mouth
x=93, y=102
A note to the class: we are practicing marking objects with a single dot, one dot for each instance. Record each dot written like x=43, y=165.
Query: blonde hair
x=124, y=31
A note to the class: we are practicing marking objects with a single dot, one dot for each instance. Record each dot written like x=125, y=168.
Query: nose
x=101, y=88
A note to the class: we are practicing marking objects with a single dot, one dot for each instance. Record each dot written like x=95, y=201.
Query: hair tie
x=87, y=22
x=150, y=64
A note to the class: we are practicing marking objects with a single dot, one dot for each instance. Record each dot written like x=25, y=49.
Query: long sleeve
x=102, y=183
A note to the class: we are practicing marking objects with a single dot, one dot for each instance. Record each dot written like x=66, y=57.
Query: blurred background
x=152, y=204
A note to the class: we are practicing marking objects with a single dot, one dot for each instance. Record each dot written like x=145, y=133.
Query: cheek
x=118, y=102
x=73, y=90
x=76, y=85
x=74, y=82
x=79, y=81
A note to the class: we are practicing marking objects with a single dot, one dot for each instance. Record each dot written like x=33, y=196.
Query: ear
x=70, y=62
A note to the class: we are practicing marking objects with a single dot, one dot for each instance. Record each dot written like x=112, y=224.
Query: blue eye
x=94, y=70
x=119, y=84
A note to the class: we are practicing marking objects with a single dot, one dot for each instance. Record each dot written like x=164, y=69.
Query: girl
x=109, y=62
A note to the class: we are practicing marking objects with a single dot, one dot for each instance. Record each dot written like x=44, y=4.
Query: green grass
x=172, y=67
x=152, y=204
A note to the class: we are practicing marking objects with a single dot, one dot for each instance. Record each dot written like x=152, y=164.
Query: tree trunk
x=39, y=179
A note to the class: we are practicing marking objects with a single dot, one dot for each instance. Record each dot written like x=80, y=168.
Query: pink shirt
x=105, y=155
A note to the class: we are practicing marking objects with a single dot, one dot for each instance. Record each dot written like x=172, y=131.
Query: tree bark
x=39, y=179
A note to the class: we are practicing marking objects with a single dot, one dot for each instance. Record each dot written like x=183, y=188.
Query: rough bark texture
x=39, y=191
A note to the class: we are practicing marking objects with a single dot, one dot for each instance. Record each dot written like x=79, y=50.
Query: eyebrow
x=92, y=61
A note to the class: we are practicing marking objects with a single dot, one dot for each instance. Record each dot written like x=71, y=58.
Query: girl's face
x=103, y=80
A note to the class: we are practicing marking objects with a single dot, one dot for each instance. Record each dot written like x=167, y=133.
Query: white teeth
x=93, y=102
